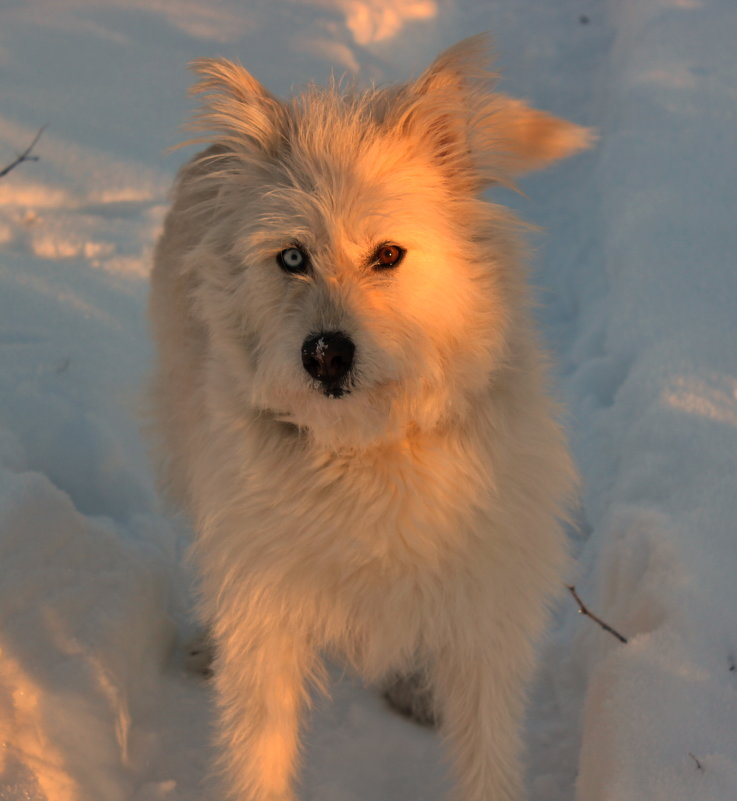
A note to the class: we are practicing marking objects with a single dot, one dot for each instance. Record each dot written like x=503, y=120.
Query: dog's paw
x=411, y=697
x=199, y=655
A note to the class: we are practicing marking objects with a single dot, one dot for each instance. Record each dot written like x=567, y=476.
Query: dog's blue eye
x=293, y=260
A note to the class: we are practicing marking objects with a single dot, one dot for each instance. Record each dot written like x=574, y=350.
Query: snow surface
x=639, y=293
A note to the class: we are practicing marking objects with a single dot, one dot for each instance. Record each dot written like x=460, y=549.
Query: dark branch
x=25, y=155
x=583, y=610
x=699, y=766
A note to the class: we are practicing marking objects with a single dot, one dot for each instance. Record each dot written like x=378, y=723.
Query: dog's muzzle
x=328, y=358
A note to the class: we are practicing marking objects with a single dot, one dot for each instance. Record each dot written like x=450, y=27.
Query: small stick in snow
x=699, y=766
x=25, y=155
x=583, y=610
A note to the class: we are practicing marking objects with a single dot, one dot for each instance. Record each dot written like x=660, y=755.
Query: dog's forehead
x=341, y=169
x=332, y=140
x=324, y=212
x=342, y=207
x=328, y=146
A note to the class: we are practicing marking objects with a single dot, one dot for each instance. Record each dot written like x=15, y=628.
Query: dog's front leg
x=479, y=693
x=260, y=682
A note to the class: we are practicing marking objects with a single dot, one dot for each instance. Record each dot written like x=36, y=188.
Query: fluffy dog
x=353, y=408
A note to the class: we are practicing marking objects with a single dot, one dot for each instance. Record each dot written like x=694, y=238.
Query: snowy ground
x=639, y=299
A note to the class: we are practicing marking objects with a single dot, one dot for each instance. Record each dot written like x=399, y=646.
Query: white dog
x=353, y=406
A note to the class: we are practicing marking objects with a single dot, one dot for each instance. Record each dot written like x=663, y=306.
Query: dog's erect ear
x=478, y=135
x=236, y=111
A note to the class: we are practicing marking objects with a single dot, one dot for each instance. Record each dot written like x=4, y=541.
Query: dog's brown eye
x=292, y=260
x=388, y=256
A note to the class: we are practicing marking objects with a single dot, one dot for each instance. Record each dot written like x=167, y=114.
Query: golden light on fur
x=367, y=451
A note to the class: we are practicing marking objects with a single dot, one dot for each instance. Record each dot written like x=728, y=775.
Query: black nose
x=328, y=357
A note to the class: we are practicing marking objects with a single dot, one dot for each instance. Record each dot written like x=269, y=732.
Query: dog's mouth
x=336, y=389
x=336, y=392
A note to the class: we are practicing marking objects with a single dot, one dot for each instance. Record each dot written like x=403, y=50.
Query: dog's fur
x=409, y=522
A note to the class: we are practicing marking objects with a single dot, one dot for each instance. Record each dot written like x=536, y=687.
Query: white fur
x=413, y=523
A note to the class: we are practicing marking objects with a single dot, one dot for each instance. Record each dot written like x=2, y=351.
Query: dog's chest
x=403, y=506
x=353, y=543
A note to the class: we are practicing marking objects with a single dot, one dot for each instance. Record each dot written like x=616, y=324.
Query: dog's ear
x=478, y=135
x=236, y=111
x=526, y=139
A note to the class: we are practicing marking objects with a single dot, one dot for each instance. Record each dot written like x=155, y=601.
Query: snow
x=638, y=290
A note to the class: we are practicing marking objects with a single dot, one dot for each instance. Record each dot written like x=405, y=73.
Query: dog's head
x=350, y=278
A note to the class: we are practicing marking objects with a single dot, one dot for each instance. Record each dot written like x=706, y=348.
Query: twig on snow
x=25, y=155
x=699, y=766
x=583, y=610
